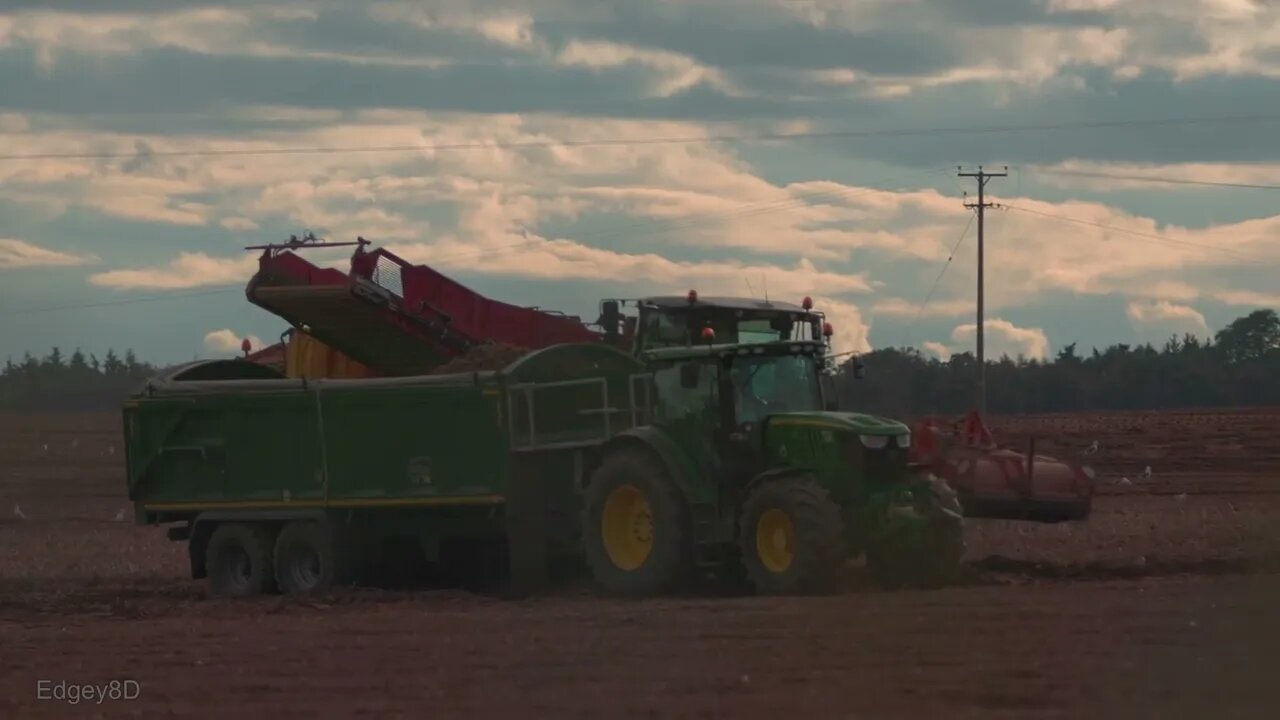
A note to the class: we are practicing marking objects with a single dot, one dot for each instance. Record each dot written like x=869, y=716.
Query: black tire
x=815, y=539
x=668, y=565
x=238, y=561
x=929, y=559
x=310, y=558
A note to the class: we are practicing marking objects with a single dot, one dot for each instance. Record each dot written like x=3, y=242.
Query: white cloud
x=1167, y=317
x=1002, y=337
x=898, y=307
x=240, y=224
x=942, y=352
x=1061, y=175
x=16, y=253
x=226, y=341
x=1248, y=297
x=676, y=72
x=187, y=270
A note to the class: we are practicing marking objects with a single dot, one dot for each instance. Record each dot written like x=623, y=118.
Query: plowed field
x=1163, y=605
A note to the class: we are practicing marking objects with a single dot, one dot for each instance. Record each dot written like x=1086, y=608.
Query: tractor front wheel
x=925, y=553
x=791, y=538
x=636, y=531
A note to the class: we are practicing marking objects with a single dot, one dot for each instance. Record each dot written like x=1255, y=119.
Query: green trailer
x=298, y=485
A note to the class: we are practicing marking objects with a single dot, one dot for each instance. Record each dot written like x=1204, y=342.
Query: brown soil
x=1157, y=606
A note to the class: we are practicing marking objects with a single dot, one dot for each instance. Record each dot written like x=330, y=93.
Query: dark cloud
x=989, y=13
x=734, y=40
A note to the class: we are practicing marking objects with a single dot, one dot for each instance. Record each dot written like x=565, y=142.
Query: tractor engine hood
x=859, y=423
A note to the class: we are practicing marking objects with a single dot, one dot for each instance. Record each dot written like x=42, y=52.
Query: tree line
x=57, y=382
x=1239, y=366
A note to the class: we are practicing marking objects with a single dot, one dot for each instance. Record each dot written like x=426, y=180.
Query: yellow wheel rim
x=775, y=540
x=626, y=525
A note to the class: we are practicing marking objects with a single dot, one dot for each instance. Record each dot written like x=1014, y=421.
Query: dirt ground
x=1162, y=604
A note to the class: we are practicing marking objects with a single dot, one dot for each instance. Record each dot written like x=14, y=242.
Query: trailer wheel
x=238, y=561
x=311, y=558
x=636, y=531
x=792, y=538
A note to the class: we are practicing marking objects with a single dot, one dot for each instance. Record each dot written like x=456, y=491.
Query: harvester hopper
x=1001, y=483
x=393, y=317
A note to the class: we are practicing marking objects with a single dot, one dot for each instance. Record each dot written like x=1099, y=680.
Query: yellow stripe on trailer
x=321, y=504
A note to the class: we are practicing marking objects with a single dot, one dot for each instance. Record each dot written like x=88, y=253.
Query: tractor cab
x=680, y=321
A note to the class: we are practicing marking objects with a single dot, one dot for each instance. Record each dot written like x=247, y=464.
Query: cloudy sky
x=809, y=146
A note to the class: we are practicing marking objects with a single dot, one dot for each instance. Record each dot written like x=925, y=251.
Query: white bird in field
x=1146, y=472
x=17, y=511
x=1093, y=448
x=111, y=450
x=120, y=515
x=1124, y=481
x=45, y=447
x=1180, y=497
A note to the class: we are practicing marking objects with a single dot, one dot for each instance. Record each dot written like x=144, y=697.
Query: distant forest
x=1239, y=366
x=57, y=382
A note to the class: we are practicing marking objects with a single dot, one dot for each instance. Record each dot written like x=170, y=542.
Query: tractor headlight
x=874, y=442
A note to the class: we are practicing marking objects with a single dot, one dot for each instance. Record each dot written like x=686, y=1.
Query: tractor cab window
x=765, y=385
x=663, y=329
x=685, y=389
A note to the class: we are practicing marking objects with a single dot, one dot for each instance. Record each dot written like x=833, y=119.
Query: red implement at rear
x=995, y=482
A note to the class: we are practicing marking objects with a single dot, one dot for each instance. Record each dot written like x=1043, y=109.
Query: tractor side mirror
x=609, y=317
x=689, y=374
x=859, y=370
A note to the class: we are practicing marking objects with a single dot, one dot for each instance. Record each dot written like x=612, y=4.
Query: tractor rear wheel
x=636, y=531
x=926, y=555
x=792, y=538
x=238, y=560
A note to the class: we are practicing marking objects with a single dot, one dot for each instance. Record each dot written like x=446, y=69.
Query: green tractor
x=745, y=472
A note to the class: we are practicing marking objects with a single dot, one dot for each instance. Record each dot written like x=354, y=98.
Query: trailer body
x=432, y=461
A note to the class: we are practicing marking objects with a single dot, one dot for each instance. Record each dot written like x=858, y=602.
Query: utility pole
x=981, y=206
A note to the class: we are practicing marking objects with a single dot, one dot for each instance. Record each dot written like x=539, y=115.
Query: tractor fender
x=205, y=523
x=780, y=473
x=681, y=468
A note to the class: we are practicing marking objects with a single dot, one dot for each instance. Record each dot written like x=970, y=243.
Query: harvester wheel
x=238, y=561
x=310, y=558
x=925, y=556
x=792, y=538
x=636, y=531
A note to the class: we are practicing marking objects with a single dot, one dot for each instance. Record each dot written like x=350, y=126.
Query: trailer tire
x=636, y=532
x=238, y=560
x=792, y=538
x=310, y=557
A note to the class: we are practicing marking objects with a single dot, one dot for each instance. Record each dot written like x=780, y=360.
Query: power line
x=698, y=139
x=936, y=280
x=746, y=210
x=1144, y=235
x=1154, y=179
